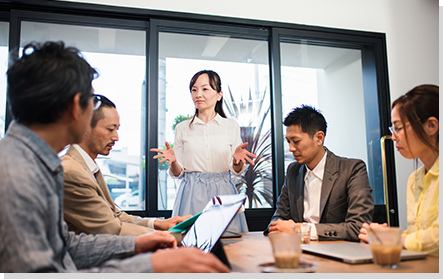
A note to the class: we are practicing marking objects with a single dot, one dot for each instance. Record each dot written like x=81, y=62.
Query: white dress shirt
x=206, y=147
x=93, y=167
x=312, y=193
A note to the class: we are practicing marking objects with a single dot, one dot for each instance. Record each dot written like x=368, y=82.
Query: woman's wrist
x=176, y=168
x=238, y=164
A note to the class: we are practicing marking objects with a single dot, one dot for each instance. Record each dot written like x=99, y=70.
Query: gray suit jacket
x=345, y=202
x=87, y=203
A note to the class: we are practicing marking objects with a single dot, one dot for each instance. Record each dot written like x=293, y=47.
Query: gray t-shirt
x=33, y=235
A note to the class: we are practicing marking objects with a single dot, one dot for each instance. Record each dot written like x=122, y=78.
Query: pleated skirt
x=197, y=188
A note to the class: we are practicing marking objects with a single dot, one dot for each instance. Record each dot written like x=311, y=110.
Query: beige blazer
x=87, y=203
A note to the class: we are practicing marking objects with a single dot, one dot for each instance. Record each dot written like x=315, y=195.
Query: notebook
x=353, y=252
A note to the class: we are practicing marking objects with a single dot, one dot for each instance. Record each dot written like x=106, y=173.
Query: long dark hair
x=417, y=106
x=215, y=83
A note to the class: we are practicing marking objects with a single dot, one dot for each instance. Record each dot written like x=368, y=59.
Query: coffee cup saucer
x=302, y=267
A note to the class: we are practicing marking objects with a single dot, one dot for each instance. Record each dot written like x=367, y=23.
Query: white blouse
x=206, y=147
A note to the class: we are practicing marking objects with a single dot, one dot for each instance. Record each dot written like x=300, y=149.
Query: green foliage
x=165, y=164
x=256, y=181
x=179, y=119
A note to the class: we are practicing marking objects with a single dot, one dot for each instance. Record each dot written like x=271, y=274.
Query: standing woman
x=415, y=130
x=207, y=149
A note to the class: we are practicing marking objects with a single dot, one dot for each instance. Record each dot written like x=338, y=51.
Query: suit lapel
x=102, y=188
x=329, y=178
x=78, y=157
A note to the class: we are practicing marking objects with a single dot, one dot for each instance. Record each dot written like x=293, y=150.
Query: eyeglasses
x=97, y=101
x=394, y=130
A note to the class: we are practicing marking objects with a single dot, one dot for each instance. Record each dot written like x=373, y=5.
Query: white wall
x=339, y=85
x=411, y=28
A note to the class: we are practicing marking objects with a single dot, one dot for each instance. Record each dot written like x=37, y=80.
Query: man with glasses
x=49, y=96
x=330, y=193
x=88, y=206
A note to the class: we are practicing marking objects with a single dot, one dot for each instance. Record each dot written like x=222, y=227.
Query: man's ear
x=319, y=137
x=75, y=110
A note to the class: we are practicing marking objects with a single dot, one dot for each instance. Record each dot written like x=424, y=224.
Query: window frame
x=375, y=79
x=193, y=28
x=17, y=17
x=372, y=45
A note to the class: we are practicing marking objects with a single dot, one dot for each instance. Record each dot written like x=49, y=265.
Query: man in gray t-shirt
x=51, y=99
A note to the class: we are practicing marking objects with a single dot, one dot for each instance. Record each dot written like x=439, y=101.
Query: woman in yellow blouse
x=414, y=129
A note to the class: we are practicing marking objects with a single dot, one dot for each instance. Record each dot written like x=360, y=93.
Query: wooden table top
x=245, y=254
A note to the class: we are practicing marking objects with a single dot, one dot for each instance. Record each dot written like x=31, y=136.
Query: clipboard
x=185, y=225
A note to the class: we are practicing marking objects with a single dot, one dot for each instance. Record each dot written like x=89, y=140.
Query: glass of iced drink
x=286, y=249
x=386, y=246
x=304, y=230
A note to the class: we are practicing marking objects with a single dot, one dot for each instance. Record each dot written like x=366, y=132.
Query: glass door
x=119, y=56
x=242, y=64
x=335, y=79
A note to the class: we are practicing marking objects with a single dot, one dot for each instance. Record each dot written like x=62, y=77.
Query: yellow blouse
x=422, y=204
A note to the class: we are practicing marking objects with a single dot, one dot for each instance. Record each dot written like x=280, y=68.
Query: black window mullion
x=14, y=44
x=277, y=117
x=152, y=123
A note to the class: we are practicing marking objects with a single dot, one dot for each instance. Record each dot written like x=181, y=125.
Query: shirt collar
x=435, y=168
x=88, y=160
x=217, y=119
x=319, y=170
x=38, y=145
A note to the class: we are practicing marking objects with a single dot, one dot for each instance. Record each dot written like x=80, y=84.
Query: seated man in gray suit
x=329, y=192
x=88, y=206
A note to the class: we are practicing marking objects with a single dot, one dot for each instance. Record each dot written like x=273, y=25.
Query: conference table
x=245, y=254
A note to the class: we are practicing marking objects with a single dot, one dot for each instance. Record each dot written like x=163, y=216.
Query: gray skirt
x=197, y=188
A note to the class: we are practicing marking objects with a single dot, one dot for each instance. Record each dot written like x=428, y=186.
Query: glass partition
x=119, y=55
x=244, y=71
x=331, y=80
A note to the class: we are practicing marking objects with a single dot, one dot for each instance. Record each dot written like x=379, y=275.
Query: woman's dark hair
x=215, y=83
x=45, y=79
x=417, y=106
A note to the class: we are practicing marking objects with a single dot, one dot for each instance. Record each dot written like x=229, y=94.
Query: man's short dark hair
x=45, y=79
x=308, y=118
x=98, y=113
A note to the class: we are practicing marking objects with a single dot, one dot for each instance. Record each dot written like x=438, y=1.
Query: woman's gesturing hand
x=241, y=154
x=167, y=154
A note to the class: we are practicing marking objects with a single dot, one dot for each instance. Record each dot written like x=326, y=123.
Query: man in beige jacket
x=88, y=206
